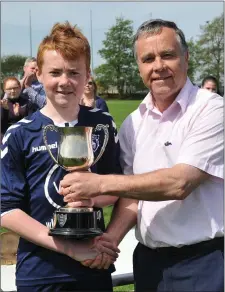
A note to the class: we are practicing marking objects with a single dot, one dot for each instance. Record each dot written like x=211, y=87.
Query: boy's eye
x=54, y=73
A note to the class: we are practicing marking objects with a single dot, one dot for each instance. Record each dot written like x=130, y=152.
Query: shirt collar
x=184, y=95
x=182, y=99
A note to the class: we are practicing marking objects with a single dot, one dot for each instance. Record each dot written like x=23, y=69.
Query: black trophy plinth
x=77, y=223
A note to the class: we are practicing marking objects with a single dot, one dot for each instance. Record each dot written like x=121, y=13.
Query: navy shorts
x=93, y=284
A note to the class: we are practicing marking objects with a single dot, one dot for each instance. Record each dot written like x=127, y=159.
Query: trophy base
x=75, y=233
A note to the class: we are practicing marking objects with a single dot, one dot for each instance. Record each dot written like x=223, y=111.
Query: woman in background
x=210, y=83
x=15, y=105
x=90, y=97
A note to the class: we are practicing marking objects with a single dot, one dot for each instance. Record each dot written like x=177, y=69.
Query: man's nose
x=158, y=64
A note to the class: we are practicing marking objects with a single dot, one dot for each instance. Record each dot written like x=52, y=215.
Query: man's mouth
x=161, y=78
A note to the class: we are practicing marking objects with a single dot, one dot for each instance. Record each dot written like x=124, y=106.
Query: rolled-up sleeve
x=203, y=147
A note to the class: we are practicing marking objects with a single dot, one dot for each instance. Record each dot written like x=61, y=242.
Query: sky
x=95, y=17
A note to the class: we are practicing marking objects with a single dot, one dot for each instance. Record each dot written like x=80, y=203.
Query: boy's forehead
x=52, y=57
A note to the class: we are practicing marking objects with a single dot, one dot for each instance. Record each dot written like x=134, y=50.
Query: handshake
x=99, y=253
x=102, y=251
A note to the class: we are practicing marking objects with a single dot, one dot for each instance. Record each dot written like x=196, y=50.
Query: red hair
x=68, y=41
x=10, y=78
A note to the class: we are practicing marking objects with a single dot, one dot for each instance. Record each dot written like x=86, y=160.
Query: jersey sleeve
x=13, y=182
x=109, y=163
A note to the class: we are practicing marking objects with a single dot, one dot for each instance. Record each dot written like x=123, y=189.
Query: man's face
x=30, y=68
x=162, y=64
x=210, y=85
x=63, y=80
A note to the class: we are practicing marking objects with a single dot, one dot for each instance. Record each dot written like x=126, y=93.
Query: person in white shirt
x=172, y=159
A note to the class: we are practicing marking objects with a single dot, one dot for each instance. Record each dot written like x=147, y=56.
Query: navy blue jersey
x=30, y=182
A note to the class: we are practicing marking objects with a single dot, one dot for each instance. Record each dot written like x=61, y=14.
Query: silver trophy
x=75, y=152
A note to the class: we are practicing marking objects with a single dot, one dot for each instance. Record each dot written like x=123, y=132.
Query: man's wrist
x=105, y=184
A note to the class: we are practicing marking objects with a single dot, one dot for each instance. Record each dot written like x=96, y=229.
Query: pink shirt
x=190, y=131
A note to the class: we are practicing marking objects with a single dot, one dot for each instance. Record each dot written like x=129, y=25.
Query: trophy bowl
x=75, y=153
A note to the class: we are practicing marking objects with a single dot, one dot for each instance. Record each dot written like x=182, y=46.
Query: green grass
x=120, y=109
x=3, y=230
x=127, y=288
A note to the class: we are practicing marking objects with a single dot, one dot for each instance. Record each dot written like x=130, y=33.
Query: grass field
x=120, y=109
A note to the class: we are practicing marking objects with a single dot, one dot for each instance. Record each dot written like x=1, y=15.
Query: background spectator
x=210, y=83
x=30, y=85
x=15, y=105
x=90, y=97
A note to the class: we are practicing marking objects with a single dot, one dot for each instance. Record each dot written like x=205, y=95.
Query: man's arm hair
x=174, y=183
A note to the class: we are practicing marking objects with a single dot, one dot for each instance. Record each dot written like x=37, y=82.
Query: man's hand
x=28, y=80
x=90, y=249
x=82, y=203
x=104, y=260
x=78, y=186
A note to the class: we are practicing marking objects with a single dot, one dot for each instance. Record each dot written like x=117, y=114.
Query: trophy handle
x=51, y=128
x=106, y=138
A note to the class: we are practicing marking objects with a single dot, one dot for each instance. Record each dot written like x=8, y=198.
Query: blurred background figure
x=15, y=105
x=30, y=85
x=90, y=97
x=210, y=83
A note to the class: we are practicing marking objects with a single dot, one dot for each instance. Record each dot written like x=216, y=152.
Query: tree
x=211, y=59
x=193, y=64
x=120, y=69
x=12, y=65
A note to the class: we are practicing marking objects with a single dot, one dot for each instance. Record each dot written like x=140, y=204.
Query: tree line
x=119, y=72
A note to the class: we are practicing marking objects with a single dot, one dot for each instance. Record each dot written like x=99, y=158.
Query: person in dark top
x=16, y=104
x=31, y=180
x=90, y=97
x=210, y=83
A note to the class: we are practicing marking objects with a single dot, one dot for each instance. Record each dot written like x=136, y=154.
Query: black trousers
x=91, y=284
x=195, y=268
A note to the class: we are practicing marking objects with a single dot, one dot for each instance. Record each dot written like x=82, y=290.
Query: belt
x=204, y=246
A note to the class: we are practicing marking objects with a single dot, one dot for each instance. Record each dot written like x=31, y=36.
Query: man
x=30, y=178
x=172, y=158
x=30, y=85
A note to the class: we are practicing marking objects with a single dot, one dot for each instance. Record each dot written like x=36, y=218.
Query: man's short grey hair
x=155, y=26
x=29, y=60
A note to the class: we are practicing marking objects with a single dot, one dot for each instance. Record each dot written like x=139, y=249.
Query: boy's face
x=63, y=80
